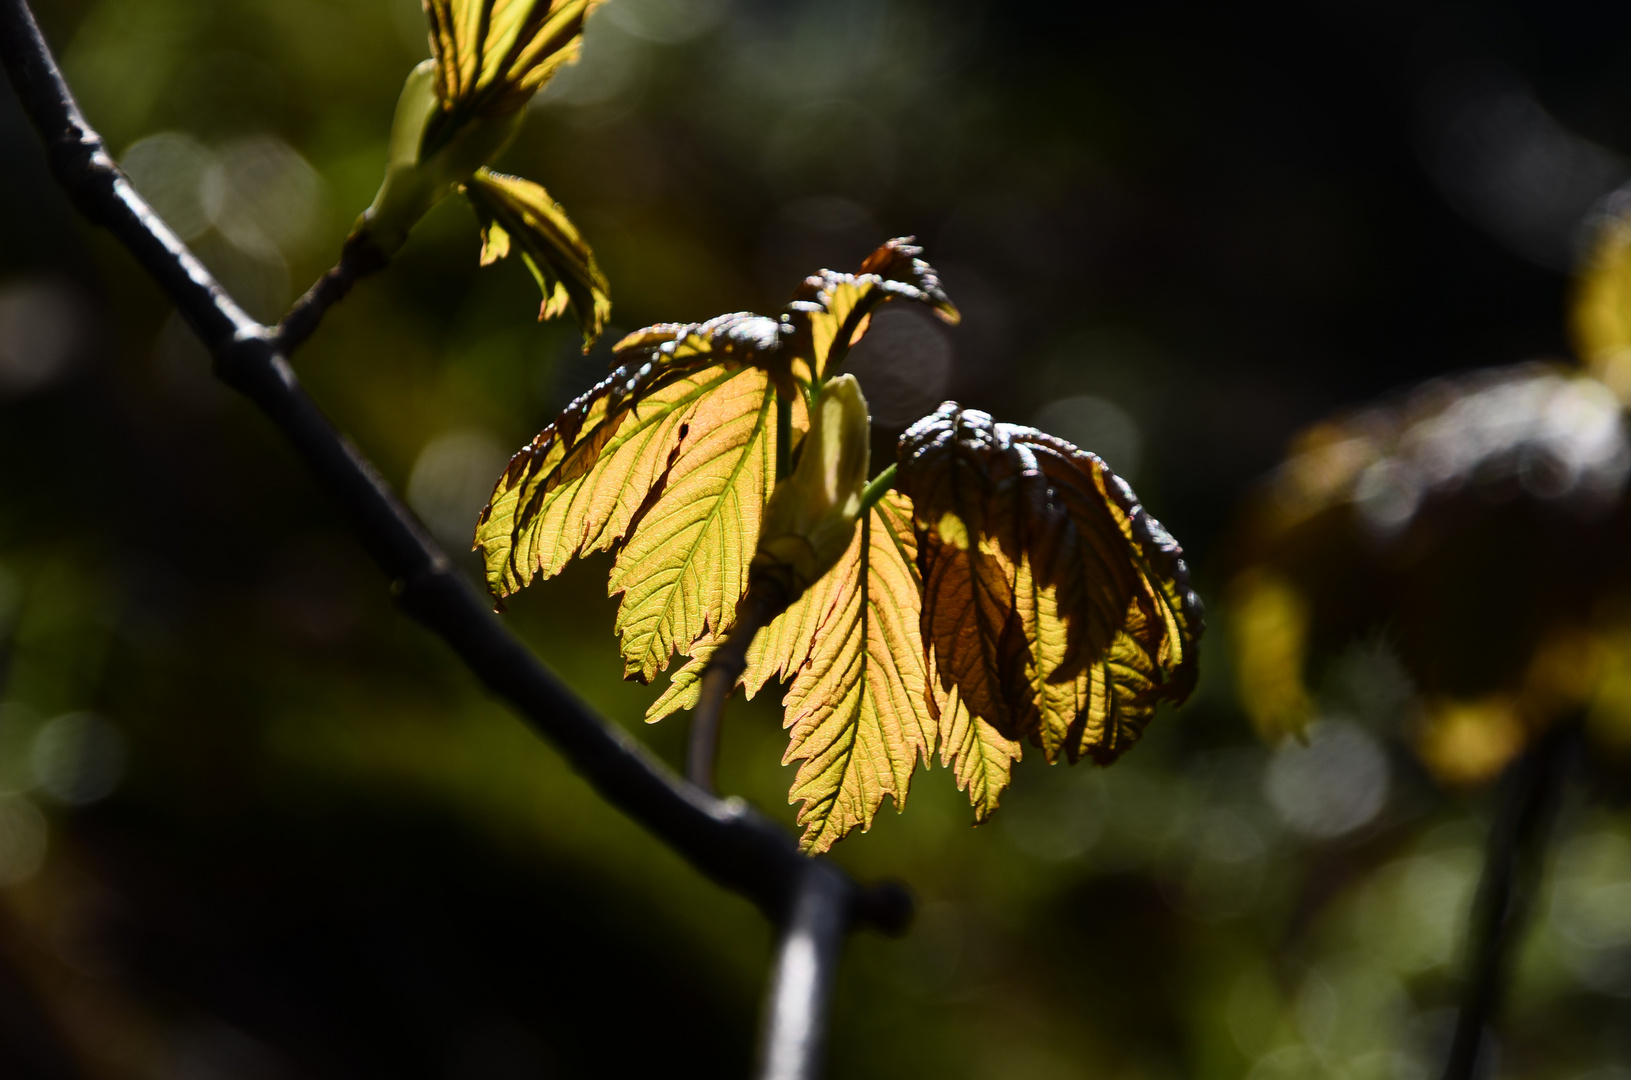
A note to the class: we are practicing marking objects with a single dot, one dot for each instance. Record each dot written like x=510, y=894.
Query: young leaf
x=460, y=108
x=684, y=565
x=513, y=211
x=668, y=462
x=858, y=708
x=1057, y=609
x=491, y=56
x=835, y=308
x=577, y=487
x=980, y=757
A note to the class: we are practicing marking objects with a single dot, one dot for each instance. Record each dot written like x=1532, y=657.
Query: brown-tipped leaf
x=834, y=309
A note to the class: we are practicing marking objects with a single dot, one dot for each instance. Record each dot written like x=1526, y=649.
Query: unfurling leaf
x=491, y=56
x=1054, y=606
x=811, y=517
x=461, y=108
x=517, y=212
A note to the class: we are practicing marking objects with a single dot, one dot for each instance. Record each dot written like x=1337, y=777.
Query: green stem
x=784, y=435
x=876, y=488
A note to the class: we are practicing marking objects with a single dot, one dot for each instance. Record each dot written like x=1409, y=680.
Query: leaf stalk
x=1513, y=864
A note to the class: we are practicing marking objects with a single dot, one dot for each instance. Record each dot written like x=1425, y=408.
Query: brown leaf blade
x=1055, y=607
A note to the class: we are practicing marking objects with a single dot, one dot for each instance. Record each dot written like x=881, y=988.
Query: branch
x=731, y=844
x=764, y=601
x=358, y=259
x=1512, y=869
x=795, y=1023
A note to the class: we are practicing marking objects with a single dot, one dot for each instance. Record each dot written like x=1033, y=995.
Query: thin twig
x=358, y=259
x=765, y=600
x=1513, y=861
x=722, y=838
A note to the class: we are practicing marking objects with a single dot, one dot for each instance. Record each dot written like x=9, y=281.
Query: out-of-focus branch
x=801, y=982
x=1513, y=864
x=724, y=839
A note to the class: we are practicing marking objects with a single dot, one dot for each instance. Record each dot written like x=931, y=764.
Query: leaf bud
x=416, y=181
x=811, y=516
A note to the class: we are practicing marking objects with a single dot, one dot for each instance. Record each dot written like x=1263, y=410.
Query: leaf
x=835, y=308
x=1600, y=310
x=578, y=486
x=1463, y=531
x=491, y=56
x=683, y=567
x=858, y=709
x=980, y=757
x=1270, y=620
x=1056, y=608
x=668, y=462
x=515, y=211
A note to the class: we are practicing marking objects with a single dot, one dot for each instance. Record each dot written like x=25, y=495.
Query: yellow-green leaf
x=980, y=757
x=684, y=564
x=512, y=212
x=492, y=55
x=578, y=486
x=857, y=711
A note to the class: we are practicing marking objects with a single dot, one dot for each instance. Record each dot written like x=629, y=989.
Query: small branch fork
x=1513, y=863
x=811, y=900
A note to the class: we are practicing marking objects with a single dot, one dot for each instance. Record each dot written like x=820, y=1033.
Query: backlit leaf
x=980, y=756
x=858, y=710
x=857, y=713
x=835, y=308
x=577, y=487
x=685, y=564
x=491, y=56
x=519, y=213
x=1054, y=605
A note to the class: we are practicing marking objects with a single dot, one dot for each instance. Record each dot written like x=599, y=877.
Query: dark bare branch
x=358, y=259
